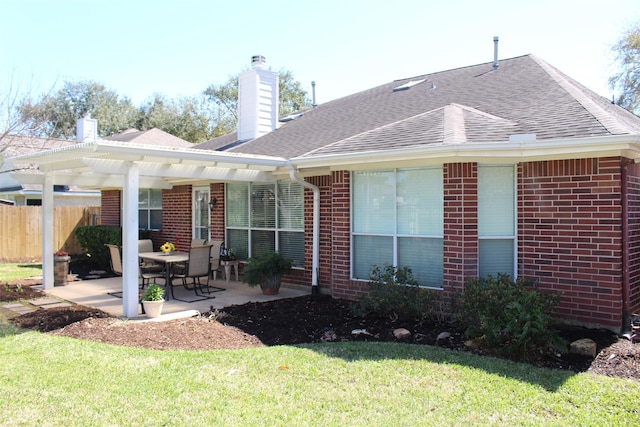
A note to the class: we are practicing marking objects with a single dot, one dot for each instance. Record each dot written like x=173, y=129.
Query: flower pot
x=271, y=285
x=60, y=270
x=153, y=308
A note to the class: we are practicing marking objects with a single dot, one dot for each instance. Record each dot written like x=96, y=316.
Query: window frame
x=254, y=230
x=393, y=233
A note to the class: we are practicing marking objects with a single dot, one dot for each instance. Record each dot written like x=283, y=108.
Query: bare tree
x=627, y=80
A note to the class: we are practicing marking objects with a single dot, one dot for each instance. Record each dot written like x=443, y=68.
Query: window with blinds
x=262, y=217
x=397, y=219
x=149, y=209
x=496, y=220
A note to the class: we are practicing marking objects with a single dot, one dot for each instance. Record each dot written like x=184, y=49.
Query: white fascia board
x=91, y=180
x=627, y=145
x=179, y=171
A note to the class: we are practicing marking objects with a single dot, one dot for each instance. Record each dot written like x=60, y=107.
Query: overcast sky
x=141, y=47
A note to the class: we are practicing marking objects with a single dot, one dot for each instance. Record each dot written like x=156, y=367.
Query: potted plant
x=266, y=271
x=153, y=300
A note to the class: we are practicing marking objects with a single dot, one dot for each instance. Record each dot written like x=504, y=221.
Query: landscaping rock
x=401, y=333
x=584, y=347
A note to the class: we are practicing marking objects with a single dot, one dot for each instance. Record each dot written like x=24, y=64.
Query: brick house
x=504, y=167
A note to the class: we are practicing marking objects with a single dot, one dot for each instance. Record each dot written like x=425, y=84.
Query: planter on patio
x=60, y=269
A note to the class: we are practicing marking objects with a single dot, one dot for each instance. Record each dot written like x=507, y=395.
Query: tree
x=627, y=80
x=186, y=117
x=60, y=112
x=225, y=97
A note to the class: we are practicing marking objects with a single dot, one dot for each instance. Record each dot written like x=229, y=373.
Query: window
x=397, y=219
x=201, y=213
x=263, y=217
x=150, y=209
x=496, y=220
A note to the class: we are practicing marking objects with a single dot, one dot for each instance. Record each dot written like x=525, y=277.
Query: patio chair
x=115, y=260
x=217, y=246
x=198, y=266
x=146, y=266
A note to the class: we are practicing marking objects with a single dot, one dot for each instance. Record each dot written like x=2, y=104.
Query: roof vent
x=495, y=53
x=411, y=84
x=258, y=61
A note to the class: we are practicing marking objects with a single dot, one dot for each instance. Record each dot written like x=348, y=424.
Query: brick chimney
x=257, y=100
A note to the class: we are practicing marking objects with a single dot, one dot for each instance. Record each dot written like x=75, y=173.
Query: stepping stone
x=59, y=304
x=18, y=308
x=43, y=301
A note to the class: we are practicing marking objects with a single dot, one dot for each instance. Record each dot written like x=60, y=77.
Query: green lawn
x=48, y=380
x=13, y=271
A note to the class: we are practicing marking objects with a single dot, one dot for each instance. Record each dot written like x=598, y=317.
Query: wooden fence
x=21, y=230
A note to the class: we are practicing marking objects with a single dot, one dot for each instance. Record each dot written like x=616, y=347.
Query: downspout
x=315, y=290
x=626, y=291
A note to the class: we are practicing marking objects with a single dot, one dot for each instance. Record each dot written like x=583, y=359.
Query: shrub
x=511, y=317
x=267, y=265
x=93, y=239
x=396, y=293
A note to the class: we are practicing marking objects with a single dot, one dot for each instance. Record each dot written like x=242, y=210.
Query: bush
x=93, y=239
x=396, y=293
x=511, y=317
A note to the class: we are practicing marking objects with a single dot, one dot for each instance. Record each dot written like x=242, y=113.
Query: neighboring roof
x=15, y=145
x=156, y=137
x=474, y=104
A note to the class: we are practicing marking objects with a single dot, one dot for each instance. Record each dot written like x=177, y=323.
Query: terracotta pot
x=271, y=285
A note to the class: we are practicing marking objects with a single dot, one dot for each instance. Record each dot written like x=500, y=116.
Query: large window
x=397, y=219
x=263, y=217
x=496, y=220
x=150, y=209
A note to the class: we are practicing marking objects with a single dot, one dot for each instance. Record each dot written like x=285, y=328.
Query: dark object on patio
x=266, y=271
x=198, y=266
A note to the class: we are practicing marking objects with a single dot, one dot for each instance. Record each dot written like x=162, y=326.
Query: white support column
x=47, y=232
x=130, y=242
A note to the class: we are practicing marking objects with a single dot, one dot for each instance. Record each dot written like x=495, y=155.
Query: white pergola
x=112, y=164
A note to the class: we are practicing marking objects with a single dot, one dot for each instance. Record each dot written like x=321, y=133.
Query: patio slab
x=95, y=293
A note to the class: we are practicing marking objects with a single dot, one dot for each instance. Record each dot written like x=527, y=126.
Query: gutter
x=315, y=290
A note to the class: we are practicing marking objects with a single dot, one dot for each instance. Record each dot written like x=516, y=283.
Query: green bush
x=93, y=239
x=269, y=264
x=396, y=293
x=154, y=292
x=510, y=316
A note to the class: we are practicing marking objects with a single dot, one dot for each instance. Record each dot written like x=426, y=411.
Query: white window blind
x=373, y=202
x=398, y=220
x=496, y=220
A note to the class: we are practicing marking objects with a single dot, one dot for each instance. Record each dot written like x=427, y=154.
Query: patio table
x=167, y=260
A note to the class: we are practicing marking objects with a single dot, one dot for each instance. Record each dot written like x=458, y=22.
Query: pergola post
x=47, y=231
x=130, y=241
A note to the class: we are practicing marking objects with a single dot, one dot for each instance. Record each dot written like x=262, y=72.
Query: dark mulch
x=299, y=320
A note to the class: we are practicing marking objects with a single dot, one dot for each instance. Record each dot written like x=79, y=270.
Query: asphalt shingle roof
x=525, y=95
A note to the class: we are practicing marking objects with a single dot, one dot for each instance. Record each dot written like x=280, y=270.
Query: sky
x=138, y=48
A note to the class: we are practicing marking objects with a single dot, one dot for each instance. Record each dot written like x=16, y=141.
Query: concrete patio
x=96, y=293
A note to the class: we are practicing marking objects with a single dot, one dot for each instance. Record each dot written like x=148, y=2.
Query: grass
x=14, y=271
x=49, y=380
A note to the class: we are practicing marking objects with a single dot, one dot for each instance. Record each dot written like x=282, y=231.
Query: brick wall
x=633, y=235
x=460, y=225
x=110, y=207
x=177, y=216
x=570, y=236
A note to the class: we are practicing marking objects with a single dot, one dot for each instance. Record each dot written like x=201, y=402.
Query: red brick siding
x=342, y=286
x=177, y=217
x=570, y=236
x=111, y=206
x=460, y=225
x=217, y=213
x=633, y=235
